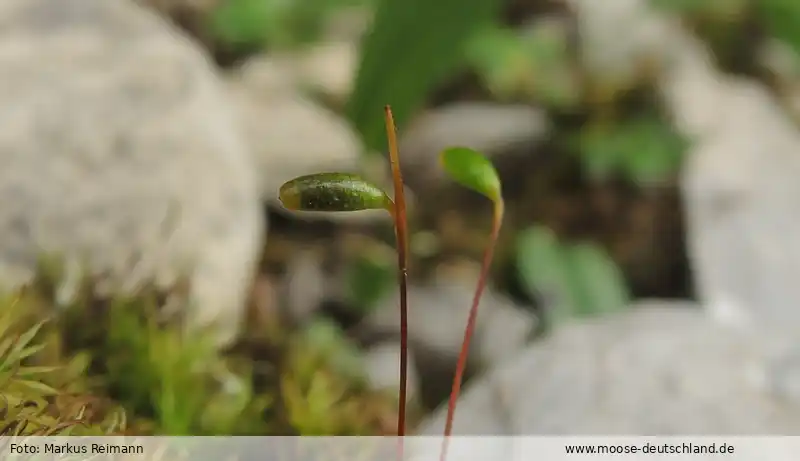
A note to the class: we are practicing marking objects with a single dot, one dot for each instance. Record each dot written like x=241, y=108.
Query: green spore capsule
x=471, y=169
x=332, y=192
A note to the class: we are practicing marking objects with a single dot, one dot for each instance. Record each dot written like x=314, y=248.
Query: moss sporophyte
x=340, y=192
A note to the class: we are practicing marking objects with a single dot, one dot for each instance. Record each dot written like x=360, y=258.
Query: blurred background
x=646, y=151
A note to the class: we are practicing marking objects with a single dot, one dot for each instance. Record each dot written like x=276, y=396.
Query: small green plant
x=644, y=150
x=339, y=192
x=174, y=383
x=170, y=376
x=35, y=394
x=322, y=369
x=577, y=280
x=349, y=192
x=474, y=171
x=126, y=365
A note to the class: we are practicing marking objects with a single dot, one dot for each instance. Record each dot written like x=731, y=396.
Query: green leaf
x=36, y=386
x=645, y=150
x=471, y=169
x=242, y=22
x=782, y=18
x=597, y=280
x=600, y=152
x=544, y=272
x=28, y=371
x=531, y=65
x=21, y=350
x=655, y=151
x=413, y=46
x=576, y=280
x=499, y=56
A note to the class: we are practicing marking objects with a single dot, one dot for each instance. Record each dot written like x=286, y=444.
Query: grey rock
x=348, y=24
x=383, y=369
x=740, y=191
x=739, y=181
x=620, y=38
x=658, y=369
x=436, y=319
x=780, y=58
x=120, y=153
x=740, y=188
x=506, y=330
x=329, y=68
x=493, y=129
x=438, y=316
x=289, y=134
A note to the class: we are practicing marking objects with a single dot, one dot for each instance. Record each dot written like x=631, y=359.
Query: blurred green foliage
x=324, y=340
x=318, y=402
x=369, y=277
x=531, y=64
x=573, y=280
x=185, y=382
x=782, y=19
x=721, y=9
x=779, y=19
x=644, y=149
x=412, y=47
x=273, y=23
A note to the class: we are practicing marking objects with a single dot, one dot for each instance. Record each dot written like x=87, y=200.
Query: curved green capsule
x=332, y=192
x=471, y=169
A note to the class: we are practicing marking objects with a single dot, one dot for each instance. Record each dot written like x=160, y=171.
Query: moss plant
x=34, y=398
x=122, y=366
x=472, y=170
x=322, y=381
x=348, y=192
x=338, y=192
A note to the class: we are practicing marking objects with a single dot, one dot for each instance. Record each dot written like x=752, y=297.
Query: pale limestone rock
x=657, y=369
x=383, y=370
x=120, y=153
x=492, y=129
x=289, y=134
